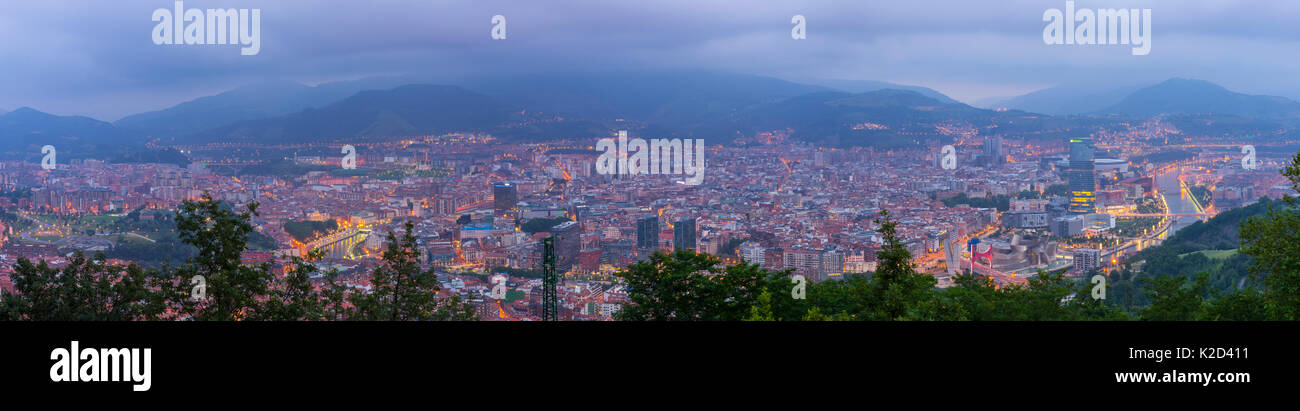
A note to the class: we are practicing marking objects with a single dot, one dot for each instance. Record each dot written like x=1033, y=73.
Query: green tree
x=1246, y=304
x=1174, y=300
x=295, y=298
x=762, y=311
x=896, y=289
x=234, y=291
x=686, y=286
x=1274, y=241
x=84, y=290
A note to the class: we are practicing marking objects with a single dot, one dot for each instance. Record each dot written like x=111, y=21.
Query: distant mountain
x=863, y=86
x=27, y=126
x=24, y=131
x=1065, y=99
x=410, y=110
x=1184, y=96
x=251, y=102
x=883, y=118
x=669, y=99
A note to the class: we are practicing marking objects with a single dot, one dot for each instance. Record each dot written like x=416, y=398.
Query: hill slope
x=404, y=111
x=1183, y=96
x=251, y=102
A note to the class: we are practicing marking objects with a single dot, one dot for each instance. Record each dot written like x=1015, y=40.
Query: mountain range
x=682, y=103
x=1184, y=96
x=1176, y=96
x=251, y=102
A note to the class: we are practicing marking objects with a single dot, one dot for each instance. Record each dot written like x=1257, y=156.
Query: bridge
x=998, y=276
x=1131, y=215
x=229, y=162
x=339, y=244
x=473, y=206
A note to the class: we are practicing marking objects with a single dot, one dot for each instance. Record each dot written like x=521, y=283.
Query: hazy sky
x=97, y=58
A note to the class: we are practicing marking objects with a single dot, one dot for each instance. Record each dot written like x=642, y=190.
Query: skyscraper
x=567, y=245
x=647, y=232
x=647, y=236
x=684, y=234
x=504, y=198
x=993, y=150
x=1082, y=178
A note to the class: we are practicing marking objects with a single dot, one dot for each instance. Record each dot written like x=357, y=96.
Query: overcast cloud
x=96, y=58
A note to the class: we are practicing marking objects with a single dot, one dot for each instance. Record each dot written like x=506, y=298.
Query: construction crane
x=550, y=298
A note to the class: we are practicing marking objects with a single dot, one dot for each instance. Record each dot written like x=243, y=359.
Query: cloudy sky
x=97, y=58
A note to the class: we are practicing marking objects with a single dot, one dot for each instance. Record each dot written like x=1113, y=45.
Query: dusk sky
x=97, y=58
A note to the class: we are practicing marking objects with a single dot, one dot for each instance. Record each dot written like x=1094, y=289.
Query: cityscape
x=480, y=207
x=504, y=181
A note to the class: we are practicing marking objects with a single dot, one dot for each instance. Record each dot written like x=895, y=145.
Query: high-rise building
x=993, y=150
x=752, y=253
x=504, y=198
x=647, y=234
x=1082, y=177
x=684, y=234
x=1086, y=260
x=807, y=263
x=567, y=245
x=832, y=264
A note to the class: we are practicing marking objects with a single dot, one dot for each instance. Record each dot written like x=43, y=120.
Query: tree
x=1274, y=241
x=686, y=286
x=84, y=290
x=234, y=291
x=763, y=310
x=1173, y=300
x=896, y=289
x=295, y=298
x=1246, y=304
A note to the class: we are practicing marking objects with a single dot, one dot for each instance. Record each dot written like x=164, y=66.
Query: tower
x=684, y=234
x=647, y=235
x=504, y=198
x=567, y=237
x=1081, y=176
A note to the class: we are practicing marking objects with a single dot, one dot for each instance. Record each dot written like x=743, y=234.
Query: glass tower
x=1082, y=177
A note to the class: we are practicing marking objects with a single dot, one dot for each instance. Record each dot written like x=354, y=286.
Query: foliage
x=305, y=231
x=1000, y=202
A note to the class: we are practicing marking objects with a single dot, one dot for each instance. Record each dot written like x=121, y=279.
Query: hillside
x=404, y=111
x=1184, y=96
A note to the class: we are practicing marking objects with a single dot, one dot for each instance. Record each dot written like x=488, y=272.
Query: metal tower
x=550, y=299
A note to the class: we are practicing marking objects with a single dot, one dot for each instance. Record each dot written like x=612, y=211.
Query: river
x=1178, y=200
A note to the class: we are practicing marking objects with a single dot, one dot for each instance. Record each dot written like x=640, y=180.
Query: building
x=752, y=253
x=1102, y=221
x=618, y=253
x=684, y=234
x=445, y=205
x=1086, y=260
x=1067, y=226
x=1082, y=177
x=567, y=246
x=504, y=198
x=647, y=235
x=1025, y=219
x=993, y=152
x=807, y=263
x=709, y=245
x=832, y=264
x=1032, y=204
